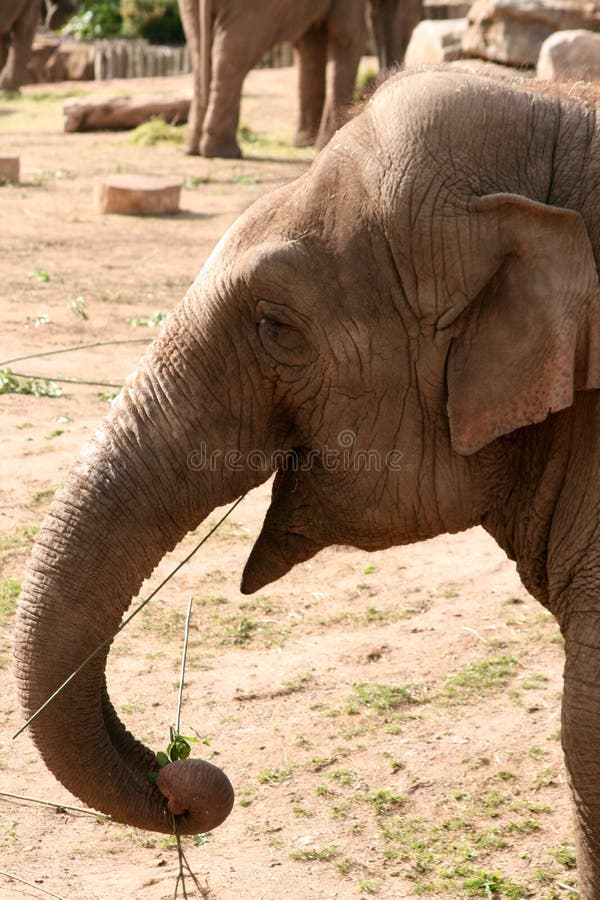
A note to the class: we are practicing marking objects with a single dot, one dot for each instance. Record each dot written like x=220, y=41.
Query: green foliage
x=179, y=748
x=146, y=321
x=37, y=387
x=96, y=19
x=157, y=21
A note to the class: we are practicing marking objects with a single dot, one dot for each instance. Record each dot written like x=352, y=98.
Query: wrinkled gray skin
x=226, y=38
x=19, y=20
x=429, y=285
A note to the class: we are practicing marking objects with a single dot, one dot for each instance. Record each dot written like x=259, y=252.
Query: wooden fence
x=137, y=59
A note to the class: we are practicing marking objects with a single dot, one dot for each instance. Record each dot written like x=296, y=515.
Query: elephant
x=19, y=20
x=392, y=23
x=56, y=13
x=324, y=32
x=430, y=286
x=226, y=38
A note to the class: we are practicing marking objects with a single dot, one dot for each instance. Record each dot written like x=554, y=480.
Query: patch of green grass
x=156, y=131
x=164, y=623
x=493, y=884
x=385, y=697
x=275, y=776
x=303, y=812
x=42, y=496
x=313, y=855
x=565, y=856
x=9, y=591
x=21, y=537
x=476, y=679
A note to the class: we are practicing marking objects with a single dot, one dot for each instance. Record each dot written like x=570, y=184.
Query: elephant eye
x=285, y=343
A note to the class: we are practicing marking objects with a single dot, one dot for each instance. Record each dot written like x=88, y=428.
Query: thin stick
x=74, y=347
x=183, y=865
x=138, y=609
x=66, y=380
x=78, y=809
x=186, y=636
x=36, y=887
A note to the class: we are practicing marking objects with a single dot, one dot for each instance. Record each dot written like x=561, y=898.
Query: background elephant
x=226, y=38
x=19, y=20
x=392, y=23
x=429, y=287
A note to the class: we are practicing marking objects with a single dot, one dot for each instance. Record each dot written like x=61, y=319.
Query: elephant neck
x=547, y=520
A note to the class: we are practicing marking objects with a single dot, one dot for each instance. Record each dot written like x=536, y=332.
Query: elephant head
x=362, y=328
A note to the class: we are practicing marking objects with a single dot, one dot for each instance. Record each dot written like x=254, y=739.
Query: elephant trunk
x=131, y=497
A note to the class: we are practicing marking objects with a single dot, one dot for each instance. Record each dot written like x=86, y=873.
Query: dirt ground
x=390, y=721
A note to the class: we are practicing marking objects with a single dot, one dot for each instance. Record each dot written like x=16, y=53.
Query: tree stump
x=137, y=195
x=9, y=169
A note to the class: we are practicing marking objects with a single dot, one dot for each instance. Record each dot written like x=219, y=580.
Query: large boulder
x=570, y=55
x=435, y=41
x=513, y=31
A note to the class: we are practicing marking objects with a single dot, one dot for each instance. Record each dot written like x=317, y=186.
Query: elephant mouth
x=288, y=535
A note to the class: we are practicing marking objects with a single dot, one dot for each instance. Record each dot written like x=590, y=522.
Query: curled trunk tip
x=198, y=793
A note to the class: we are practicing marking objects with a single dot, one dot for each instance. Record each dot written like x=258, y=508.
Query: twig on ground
x=75, y=347
x=30, y=884
x=7, y=795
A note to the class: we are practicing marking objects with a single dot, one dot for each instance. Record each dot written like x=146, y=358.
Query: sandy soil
x=390, y=721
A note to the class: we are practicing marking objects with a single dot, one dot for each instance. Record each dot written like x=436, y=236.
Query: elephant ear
x=529, y=336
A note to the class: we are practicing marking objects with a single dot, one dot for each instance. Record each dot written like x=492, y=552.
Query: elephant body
x=429, y=286
x=226, y=38
x=19, y=20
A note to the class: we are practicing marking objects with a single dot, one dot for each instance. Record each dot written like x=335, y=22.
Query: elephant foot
x=9, y=86
x=305, y=138
x=227, y=148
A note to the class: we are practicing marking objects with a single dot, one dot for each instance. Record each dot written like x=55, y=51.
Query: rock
x=435, y=41
x=54, y=59
x=513, y=31
x=570, y=55
x=9, y=169
x=137, y=195
x=121, y=113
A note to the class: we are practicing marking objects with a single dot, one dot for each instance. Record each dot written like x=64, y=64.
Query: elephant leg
x=4, y=45
x=311, y=53
x=581, y=744
x=229, y=68
x=347, y=35
x=402, y=19
x=189, y=11
x=13, y=74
